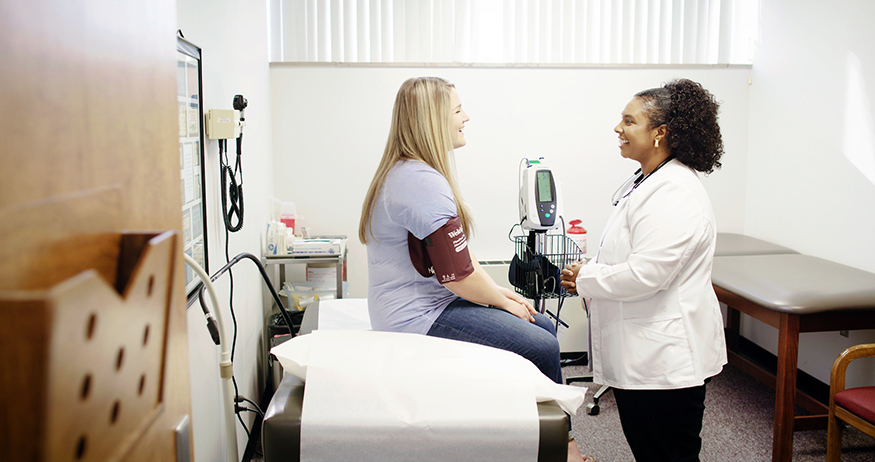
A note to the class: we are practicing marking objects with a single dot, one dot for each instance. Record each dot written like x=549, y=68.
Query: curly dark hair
x=690, y=113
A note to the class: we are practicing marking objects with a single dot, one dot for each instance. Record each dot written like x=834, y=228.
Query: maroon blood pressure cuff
x=443, y=253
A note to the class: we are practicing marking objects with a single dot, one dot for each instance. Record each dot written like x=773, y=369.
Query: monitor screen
x=545, y=190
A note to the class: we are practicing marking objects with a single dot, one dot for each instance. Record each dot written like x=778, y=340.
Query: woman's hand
x=479, y=288
x=522, y=310
x=568, y=276
x=517, y=298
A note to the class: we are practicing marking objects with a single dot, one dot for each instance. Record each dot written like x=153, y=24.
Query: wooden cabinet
x=90, y=158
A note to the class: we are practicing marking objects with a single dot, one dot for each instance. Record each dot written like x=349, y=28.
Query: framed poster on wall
x=191, y=158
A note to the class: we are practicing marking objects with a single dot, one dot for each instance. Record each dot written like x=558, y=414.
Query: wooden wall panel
x=88, y=91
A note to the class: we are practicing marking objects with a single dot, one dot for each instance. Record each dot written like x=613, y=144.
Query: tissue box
x=276, y=238
x=315, y=246
x=321, y=272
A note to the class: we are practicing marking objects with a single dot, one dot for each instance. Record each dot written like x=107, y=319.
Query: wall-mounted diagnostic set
x=223, y=124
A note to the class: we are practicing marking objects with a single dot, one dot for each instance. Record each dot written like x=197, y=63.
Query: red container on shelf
x=577, y=234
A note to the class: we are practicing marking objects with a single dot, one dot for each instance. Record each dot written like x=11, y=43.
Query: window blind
x=525, y=32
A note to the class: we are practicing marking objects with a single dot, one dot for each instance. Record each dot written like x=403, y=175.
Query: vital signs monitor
x=540, y=196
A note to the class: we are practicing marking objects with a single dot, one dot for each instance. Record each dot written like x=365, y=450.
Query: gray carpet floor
x=739, y=412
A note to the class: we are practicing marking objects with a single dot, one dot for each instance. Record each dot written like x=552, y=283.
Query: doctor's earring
x=656, y=143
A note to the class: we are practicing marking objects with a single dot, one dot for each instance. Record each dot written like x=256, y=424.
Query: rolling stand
x=534, y=273
x=593, y=407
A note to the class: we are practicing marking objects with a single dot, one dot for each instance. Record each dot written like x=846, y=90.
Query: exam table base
x=787, y=396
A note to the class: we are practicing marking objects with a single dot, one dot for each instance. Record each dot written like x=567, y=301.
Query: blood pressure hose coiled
x=232, y=191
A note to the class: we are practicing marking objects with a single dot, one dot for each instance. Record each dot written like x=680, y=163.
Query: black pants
x=662, y=425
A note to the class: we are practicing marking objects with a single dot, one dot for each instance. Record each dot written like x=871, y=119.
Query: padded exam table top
x=795, y=283
x=740, y=244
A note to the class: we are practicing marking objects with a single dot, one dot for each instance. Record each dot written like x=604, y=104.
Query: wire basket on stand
x=538, y=260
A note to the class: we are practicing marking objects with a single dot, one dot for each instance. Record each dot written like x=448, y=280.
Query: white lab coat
x=655, y=322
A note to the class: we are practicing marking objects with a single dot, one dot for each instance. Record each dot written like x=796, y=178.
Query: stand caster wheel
x=592, y=409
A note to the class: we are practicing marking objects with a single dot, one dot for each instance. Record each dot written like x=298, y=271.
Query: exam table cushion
x=371, y=354
x=859, y=401
x=740, y=244
x=281, y=428
x=281, y=431
x=795, y=283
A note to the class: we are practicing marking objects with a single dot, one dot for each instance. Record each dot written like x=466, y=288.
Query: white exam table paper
x=344, y=314
x=379, y=396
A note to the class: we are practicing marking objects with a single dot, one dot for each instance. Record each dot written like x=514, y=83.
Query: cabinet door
x=91, y=149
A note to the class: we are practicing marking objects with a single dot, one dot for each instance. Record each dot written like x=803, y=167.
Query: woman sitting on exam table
x=421, y=276
x=656, y=328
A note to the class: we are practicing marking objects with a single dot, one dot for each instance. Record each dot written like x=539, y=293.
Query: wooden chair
x=855, y=406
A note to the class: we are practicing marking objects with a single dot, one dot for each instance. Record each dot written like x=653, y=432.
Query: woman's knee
x=544, y=322
x=548, y=346
x=542, y=343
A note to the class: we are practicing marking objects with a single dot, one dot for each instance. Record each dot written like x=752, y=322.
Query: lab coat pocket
x=659, y=350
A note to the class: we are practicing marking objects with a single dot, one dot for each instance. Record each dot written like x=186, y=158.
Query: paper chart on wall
x=187, y=174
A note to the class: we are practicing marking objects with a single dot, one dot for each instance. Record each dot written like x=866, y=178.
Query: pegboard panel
x=100, y=384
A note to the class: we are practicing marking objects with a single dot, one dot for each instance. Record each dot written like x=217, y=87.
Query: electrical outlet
x=844, y=333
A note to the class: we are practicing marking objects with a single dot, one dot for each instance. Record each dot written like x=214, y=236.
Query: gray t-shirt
x=415, y=198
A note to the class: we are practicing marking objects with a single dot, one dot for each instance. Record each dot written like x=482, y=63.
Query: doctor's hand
x=568, y=276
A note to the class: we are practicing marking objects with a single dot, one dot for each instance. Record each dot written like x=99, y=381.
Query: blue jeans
x=470, y=322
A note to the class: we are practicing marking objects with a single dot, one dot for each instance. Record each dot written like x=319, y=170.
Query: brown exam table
x=793, y=293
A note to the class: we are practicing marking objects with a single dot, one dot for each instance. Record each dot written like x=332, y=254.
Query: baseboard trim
x=768, y=361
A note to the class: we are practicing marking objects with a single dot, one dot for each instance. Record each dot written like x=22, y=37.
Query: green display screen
x=545, y=192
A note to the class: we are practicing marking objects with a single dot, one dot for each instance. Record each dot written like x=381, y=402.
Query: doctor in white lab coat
x=655, y=323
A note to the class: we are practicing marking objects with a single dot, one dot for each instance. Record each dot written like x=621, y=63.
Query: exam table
x=793, y=293
x=281, y=428
x=741, y=244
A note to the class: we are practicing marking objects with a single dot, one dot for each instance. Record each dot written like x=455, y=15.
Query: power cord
x=257, y=410
x=227, y=268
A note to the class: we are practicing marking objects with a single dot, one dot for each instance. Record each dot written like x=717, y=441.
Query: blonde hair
x=420, y=131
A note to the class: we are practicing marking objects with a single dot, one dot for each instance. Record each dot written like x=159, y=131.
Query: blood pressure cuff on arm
x=443, y=253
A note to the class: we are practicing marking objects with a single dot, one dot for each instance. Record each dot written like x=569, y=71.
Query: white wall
x=812, y=104
x=233, y=36
x=811, y=164
x=331, y=124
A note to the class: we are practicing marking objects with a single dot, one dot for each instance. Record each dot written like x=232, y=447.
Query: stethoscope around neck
x=633, y=182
